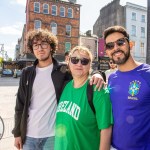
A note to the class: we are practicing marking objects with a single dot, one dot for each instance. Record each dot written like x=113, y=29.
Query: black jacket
x=59, y=75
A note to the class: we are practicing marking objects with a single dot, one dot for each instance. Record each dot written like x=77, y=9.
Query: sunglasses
x=119, y=42
x=75, y=60
x=111, y=62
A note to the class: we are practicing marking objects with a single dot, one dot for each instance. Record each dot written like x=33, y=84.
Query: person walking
x=77, y=126
x=129, y=93
x=113, y=68
x=39, y=90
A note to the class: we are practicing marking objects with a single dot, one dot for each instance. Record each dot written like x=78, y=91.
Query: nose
x=39, y=47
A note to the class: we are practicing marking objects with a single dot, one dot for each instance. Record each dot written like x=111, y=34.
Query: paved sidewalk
x=8, y=90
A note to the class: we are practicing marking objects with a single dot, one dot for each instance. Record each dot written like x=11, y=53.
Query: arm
x=98, y=78
x=105, y=140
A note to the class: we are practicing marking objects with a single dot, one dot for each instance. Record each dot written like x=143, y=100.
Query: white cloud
x=20, y=2
x=15, y=29
x=10, y=48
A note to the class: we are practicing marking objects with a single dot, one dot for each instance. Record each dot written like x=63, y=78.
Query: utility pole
x=148, y=33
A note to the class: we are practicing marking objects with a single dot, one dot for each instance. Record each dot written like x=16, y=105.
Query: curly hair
x=42, y=34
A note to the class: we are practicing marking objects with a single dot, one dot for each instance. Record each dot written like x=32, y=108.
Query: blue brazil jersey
x=130, y=96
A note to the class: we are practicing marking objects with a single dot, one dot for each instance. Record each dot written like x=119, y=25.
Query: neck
x=44, y=63
x=78, y=82
x=129, y=65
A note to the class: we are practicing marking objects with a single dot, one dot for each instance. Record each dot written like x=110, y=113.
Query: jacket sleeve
x=20, y=102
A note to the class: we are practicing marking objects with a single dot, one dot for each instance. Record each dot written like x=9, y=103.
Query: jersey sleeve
x=103, y=109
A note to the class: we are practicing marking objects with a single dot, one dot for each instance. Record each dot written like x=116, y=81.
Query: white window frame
x=133, y=16
x=70, y=13
x=47, y=8
x=133, y=30
x=142, y=46
x=37, y=7
x=54, y=28
x=68, y=30
x=65, y=46
x=54, y=10
x=37, y=24
x=143, y=19
x=142, y=33
x=62, y=11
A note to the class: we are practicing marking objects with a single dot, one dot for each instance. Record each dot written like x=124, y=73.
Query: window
x=142, y=48
x=133, y=16
x=54, y=10
x=36, y=7
x=143, y=18
x=45, y=8
x=142, y=32
x=54, y=28
x=37, y=24
x=68, y=30
x=67, y=46
x=62, y=11
x=70, y=13
x=133, y=31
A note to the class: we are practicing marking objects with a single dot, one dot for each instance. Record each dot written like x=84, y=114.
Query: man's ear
x=131, y=44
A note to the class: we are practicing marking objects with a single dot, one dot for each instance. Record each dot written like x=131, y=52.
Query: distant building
x=131, y=16
x=62, y=18
x=148, y=33
x=90, y=41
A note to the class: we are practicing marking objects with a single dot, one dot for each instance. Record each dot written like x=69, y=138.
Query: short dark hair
x=114, y=29
x=67, y=53
x=42, y=34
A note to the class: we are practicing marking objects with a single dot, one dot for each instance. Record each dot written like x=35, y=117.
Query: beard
x=123, y=60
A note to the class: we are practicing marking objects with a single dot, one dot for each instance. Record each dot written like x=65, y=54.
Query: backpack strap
x=90, y=96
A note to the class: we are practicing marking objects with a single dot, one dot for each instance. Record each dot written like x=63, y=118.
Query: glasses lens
x=44, y=44
x=120, y=42
x=84, y=61
x=74, y=60
x=110, y=45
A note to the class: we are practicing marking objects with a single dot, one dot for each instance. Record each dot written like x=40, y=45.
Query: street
x=8, y=90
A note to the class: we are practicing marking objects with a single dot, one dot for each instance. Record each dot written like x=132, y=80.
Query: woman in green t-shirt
x=77, y=126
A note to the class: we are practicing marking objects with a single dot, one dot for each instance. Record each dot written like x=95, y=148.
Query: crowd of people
x=53, y=111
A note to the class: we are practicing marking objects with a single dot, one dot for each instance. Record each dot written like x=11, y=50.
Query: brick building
x=62, y=18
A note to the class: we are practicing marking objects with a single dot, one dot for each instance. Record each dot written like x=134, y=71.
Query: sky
x=12, y=18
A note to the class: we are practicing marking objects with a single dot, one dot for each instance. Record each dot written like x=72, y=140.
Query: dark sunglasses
x=119, y=42
x=111, y=62
x=75, y=60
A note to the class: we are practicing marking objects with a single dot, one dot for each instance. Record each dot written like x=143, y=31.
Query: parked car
x=7, y=73
x=17, y=73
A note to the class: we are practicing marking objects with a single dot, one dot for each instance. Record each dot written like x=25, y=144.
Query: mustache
x=119, y=50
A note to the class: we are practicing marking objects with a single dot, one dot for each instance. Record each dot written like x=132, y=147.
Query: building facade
x=136, y=25
x=62, y=18
x=131, y=16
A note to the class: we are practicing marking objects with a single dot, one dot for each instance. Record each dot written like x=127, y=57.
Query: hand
x=18, y=143
x=98, y=80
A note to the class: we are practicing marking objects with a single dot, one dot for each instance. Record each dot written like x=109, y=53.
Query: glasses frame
x=43, y=45
x=76, y=60
x=116, y=42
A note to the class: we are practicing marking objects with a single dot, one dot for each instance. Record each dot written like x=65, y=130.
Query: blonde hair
x=85, y=50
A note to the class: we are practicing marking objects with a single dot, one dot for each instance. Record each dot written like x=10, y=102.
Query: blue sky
x=12, y=18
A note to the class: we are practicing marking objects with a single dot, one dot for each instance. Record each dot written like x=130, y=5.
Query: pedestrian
x=39, y=90
x=113, y=68
x=129, y=93
x=66, y=56
x=77, y=127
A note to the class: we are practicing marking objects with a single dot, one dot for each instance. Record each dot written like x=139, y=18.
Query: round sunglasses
x=83, y=61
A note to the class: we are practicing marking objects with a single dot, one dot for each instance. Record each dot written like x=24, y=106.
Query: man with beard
x=39, y=90
x=129, y=92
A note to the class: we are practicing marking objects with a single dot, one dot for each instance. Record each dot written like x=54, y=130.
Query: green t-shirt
x=77, y=127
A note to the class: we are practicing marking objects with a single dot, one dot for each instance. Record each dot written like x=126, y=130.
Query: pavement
x=8, y=90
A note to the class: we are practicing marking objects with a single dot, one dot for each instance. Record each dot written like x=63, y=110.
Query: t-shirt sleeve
x=103, y=109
